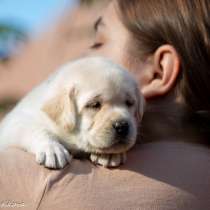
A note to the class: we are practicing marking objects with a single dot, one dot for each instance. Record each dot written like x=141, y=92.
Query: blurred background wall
x=52, y=34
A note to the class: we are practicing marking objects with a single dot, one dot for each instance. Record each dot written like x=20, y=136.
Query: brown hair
x=184, y=24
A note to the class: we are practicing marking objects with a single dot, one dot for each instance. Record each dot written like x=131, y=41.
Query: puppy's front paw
x=108, y=160
x=52, y=154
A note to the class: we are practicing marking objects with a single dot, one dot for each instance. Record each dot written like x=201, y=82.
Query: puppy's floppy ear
x=140, y=107
x=62, y=109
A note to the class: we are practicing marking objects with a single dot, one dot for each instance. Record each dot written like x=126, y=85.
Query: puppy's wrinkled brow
x=90, y=100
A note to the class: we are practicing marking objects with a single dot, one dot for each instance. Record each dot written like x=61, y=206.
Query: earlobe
x=61, y=109
x=164, y=72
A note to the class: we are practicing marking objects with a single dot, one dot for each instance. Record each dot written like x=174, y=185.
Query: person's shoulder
x=172, y=173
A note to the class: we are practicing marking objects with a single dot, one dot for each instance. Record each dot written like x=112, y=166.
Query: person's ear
x=162, y=73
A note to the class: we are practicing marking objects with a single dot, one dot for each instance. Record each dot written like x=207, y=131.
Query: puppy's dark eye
x=129, y=103
x=94, y=105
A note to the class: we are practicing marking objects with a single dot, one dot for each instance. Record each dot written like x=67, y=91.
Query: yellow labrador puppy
x=90, y=105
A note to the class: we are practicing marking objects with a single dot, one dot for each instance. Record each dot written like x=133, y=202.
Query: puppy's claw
x=115, y=160
x=68, y=157
x=63, y=157
x=40, y=158
x=108, y=160
x=53, y=155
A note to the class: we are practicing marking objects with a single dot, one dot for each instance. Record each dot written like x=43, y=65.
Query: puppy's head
x=103, y=106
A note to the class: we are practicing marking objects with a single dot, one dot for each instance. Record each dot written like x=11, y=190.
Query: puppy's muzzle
x=122, y=130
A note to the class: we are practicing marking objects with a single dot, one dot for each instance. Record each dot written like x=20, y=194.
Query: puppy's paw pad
x=53, y=155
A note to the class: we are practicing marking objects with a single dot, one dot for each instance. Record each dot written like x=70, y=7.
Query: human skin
x=156, y=73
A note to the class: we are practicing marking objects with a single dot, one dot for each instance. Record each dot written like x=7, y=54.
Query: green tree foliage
x=8, y=30
x=9, y=36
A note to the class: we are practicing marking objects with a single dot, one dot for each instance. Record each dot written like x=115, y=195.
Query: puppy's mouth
x=117, y=146
x=118, y=138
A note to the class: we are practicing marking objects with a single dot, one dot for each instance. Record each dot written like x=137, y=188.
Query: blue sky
x=32, y=15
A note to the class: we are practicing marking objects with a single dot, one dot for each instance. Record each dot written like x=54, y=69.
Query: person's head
x=165, y=43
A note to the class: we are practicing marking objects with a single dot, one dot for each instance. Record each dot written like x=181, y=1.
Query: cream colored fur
x=58, y=118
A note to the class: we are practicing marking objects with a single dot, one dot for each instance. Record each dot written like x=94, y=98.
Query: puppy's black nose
x=122, y=128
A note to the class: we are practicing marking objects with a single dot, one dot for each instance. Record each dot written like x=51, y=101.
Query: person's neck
x=169, y=121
